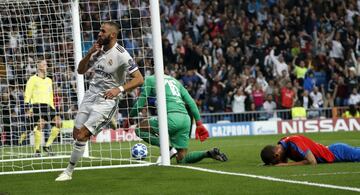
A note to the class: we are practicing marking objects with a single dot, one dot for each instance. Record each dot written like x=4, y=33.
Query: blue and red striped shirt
x=296, y=147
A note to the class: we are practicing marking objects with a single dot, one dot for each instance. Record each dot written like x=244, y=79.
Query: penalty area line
x=347, y=188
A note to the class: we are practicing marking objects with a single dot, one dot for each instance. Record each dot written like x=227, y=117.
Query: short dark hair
x=268, y=155
x=113, y=24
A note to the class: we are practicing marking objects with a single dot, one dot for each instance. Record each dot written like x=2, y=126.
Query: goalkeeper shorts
x=179, y=126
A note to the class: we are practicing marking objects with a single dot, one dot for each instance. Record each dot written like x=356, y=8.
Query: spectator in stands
x=270, y=107
x=351, y=78
x=317, y=103
x=279, y=64
x=309, y=82
x=341, y=92
x=283, y=79
x=332, y=83
x=258, y=96
x=317, y=98
x=355, y=60
x=354, y=97
x=238, y=103
x=305, y=100
x=351, y=112
x=288, y=98
x=299, y=70
x=215, y=101
x=15, y=38
x=329, y=99
x=270, y=88
x=261, y=80
x=298, y=112
x=337, y=49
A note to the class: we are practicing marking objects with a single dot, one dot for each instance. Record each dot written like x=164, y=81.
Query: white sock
x=76, y=154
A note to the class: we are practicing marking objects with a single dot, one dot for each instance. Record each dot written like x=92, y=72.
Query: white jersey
x=110, y=68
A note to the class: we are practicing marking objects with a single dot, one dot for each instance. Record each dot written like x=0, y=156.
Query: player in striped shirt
x=304, y=151
x=111, y=64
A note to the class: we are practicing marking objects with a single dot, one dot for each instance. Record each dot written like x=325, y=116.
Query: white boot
x=64, y=176
x=173, y=153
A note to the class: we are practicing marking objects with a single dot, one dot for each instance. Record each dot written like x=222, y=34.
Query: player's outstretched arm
x=201, y=132
x=309, y=160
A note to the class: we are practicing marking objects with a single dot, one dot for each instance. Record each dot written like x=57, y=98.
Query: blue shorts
x=345, y=153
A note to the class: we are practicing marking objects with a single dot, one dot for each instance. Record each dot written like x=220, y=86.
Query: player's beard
x=104, y=41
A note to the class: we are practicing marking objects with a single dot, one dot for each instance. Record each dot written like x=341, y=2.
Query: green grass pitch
x=243, y=153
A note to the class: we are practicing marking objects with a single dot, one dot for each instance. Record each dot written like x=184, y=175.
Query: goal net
x=33, y=30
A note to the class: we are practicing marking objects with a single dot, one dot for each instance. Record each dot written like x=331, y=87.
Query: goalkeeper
x=39, y=93
x=179, y=122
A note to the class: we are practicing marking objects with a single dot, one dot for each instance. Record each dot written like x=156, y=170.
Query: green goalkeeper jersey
x=177, y=97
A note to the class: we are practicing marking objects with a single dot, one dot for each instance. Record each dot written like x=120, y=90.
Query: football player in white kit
x=111, y=63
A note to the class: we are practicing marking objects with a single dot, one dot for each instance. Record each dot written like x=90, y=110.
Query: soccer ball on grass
x=139, y=151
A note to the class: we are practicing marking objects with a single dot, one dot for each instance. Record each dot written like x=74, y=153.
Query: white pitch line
x=321, y=174
x=78, y=168
x=272, y=178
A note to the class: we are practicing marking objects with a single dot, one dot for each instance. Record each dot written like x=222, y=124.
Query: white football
x=139, y=151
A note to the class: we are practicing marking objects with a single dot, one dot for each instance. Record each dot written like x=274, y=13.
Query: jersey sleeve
x=295, y=143
x=127, y=60
x=132, y=66
x=146, y=91
x=189, y=101
x=29, y=90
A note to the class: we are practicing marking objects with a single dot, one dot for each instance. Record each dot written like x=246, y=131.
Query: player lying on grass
x=179, y=125
x=305, y=151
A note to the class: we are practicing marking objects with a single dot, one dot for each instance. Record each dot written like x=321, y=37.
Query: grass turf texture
x=243, y=153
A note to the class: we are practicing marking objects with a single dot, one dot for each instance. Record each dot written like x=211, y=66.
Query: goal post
x=77, y=57
x=160, y=84
x=61, y=32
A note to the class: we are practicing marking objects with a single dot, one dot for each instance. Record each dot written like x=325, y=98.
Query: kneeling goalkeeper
x=179, y=122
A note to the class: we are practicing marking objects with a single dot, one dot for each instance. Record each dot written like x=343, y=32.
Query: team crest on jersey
x=110, y=62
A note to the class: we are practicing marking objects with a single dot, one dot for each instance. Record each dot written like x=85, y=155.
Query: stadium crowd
x=263, y=55
x=232, y=56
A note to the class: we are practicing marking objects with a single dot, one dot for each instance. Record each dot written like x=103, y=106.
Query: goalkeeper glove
x=201, y=132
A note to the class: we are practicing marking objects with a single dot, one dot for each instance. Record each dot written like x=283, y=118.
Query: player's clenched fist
x=96, y=47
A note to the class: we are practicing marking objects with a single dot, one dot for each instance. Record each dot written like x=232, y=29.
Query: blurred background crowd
x=232, y=56
x=237, y=56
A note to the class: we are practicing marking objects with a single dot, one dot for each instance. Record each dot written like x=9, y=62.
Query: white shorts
x=95, y=112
